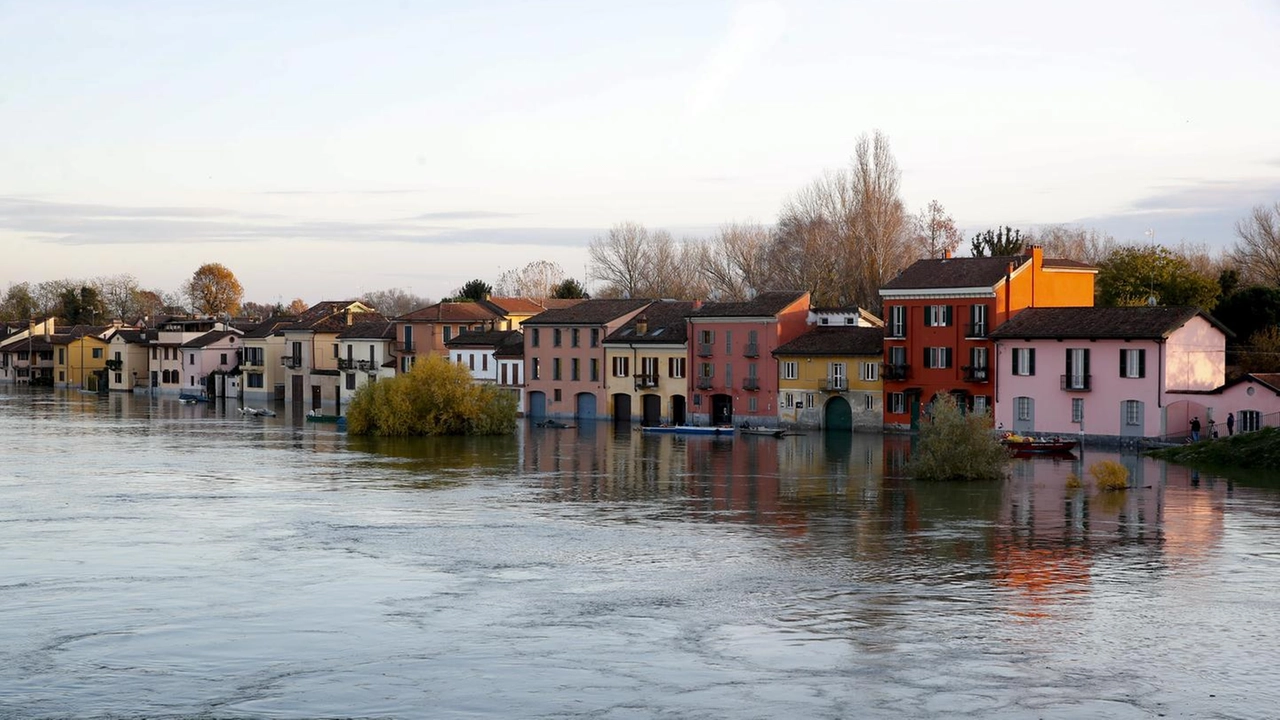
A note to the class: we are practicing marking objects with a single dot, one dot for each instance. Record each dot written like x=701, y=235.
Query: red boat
x=1026, y=445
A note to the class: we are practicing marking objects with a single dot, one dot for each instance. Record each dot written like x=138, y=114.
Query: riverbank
x=1253, y=450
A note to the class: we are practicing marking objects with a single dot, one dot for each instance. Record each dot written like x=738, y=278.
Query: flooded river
x=162, y=560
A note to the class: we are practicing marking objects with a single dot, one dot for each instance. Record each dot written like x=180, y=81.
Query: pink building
x=211, y=364
x=734, y=375
x=564, y=357
x=1130, y=372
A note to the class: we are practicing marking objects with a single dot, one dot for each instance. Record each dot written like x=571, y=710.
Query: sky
x=324, y=149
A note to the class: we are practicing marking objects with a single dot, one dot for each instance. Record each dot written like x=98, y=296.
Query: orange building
x=939, y=314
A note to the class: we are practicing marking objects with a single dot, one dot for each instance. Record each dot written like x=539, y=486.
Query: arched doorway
x=652, y=407
x=585, y=406
x=678, y=410
x=837, y=415
x=621, y=407
x=537, y=404
x=721, y=409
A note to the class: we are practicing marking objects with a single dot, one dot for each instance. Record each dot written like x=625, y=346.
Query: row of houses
x=1016, y=336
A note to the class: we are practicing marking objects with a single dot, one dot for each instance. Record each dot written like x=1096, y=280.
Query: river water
x=163, y=560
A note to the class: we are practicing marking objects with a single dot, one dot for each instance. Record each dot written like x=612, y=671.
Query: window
x=62, y=376
x=97, y=353
x=1022, y=408
x=408, y=338
x=649, y=368
x=595, y=337
x=222, y=359
x=555, y=368
x=1077, y=377
x=1024, y=361
x=484, y=362
x=1250, y=420
x=536, y=371
x=753, y=370
x=937, y=315
x=595, y=369
x=675, y=367
x=448, y=333
x=897, y=403
x=869, y=372
x=575, y=369
x=556, y=337
x=574, y=339
x=728, y=341
x=897, y=321
x=1132, y=412
x=1133, y=363
x=1077, y=410
x=117, y=356
x=977, y=321
x=119, y=378
x=351, y=381
x=788, y=400
x=556, y=395
x=897, y=355
x=752, y=406
x=838, y=379
x=471, y=361
x=191, y=359
x=706, y=336
x=335, y=350
x=621, y=366
x=255, y=380
x=980, y=404
x=533, y=338
x=809, y=399
x=790, y=370
x=869, y=401
x=728, y=375
x=706, y=370
x=937, y=357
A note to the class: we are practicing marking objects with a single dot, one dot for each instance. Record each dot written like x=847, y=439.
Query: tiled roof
x=1099, y=323
x=363, y=329
x=320, y=315
x=512, y=348
x=526, y=305
x=464, y=312
x=1067, y=264
x=836, y=340
x=75, y=332
x=963, y=272
x=484, y=338
x=763, y=305
x=132, y=337
x=1271, y=380
x=338, y=323
x=588, y=312
x=667, y=324
x=209, y=338
x=270, y=326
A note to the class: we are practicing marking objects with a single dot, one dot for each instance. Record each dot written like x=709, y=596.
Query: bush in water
x=436, y=397
x=958, y=446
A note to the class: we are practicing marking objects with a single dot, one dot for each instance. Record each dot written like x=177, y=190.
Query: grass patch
x=1257, y=450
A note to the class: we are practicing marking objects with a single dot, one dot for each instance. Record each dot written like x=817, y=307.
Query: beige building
x=646, y=366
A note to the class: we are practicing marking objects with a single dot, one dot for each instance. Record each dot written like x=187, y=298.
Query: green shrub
x=956, y=446
x=1110, y=475
x=436, y=397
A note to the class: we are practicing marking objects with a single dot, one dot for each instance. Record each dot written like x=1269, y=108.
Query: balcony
x=366, y=366
x=251, y=362
x=751, y=350
x=291, y=362
x=1077, y=383
x=646, y=381
x=890, y=371
x=976, y=373
x=704, y=350
x=835, y=384
x=346, y=365
x=115, y=365
x=704, y=382
x=405, y=347
x=975, y=330
x=896, y=332
x=751, y=383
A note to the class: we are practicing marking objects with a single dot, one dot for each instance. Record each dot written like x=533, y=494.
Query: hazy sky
x=320, y=149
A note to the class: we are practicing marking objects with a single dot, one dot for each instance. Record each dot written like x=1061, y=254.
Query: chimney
x=697, y=304
x=946, y=254
x=642, y=325
x=349, y=315
x=1037, y=256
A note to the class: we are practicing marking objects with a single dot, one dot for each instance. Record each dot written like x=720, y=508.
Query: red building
x=734, y=375
x=939, y=314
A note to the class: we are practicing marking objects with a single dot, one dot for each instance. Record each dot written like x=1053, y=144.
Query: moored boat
x=1028, y=445
x=689, y=429
x=554, y=424
x=317, y=416
x=768, y=431
x=257, y=412
x=189, y=398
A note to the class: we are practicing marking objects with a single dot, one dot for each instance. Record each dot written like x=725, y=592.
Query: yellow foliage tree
x=436, y=397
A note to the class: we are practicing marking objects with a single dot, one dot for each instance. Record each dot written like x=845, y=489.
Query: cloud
x=338, y=192
x=79, y=224
x=1205, y=211
x=754, y=28
x=464, y=215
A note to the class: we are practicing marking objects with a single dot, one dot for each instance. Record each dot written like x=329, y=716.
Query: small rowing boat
x=689, y=429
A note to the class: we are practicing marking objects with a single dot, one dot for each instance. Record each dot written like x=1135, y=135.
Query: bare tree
x=934, y=231
x=394, y=302
x=535, y=280
x=48, y=294
x=1087, y=245
x=1258, y=251
x=120, y=293
x=624, y=258
x=734, y=263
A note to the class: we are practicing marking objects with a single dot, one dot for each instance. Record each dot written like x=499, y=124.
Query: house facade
x=127, y=360
x=475, y=351
x=646, y=366
x=165, y=365
x=26, y=353
x=733, y=374
x=829, y=378
x=511, y=312
x=939, y=314
x=510, y=359
x=262, y=373
x=365, y=355
x=425, y=331
x=565, y=358
x=211, y=364
x=1252, y=402
x=312, y=350
x=1127, y=372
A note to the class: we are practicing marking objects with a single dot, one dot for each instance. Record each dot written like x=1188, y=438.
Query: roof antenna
x=1151, y=288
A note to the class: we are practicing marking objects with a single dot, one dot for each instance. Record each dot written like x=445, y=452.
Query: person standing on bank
x=1195, y=429
x=1231, y=424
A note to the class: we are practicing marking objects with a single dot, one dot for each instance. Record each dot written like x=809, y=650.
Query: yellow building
x=645, y=366
x=829, y=378
x=80, y=357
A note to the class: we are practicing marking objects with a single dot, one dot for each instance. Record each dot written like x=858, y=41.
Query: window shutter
x=946, y=353
x=1031, y=361
x=946, y=315
x=1142, y=363
x=1124, y=363
x=1086, y=363
x=926, y=358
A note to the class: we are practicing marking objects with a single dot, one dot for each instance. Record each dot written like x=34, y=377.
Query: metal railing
x=975, y=330
x=1077, y=383
x=704, y=382
x=835, y=384
x=890, y=371
x=751, y=383
x=976, y=373
x=705, y=349
x=291, y=362
x=646, y=381
x=751, y=350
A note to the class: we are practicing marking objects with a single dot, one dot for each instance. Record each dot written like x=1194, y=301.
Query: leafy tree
x=119, y=295
x=1228, y=282
x=956, y=446
x=82, y=307
x=436, y=397
x=935, y=231
x=1249, y=310
x=297, y=307
x=568, y=289
x=18, y=303
x=1261, y=354
x=473, y=290
x=997, y=243
x=1132, y=274
x=214, y=290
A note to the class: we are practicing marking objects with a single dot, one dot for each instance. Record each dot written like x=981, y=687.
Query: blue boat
x=689, y=429
x=189, y=398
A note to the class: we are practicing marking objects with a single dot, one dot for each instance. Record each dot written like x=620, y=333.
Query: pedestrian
x=1231, y=424
x=1195, y=429
x=1213, y=429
